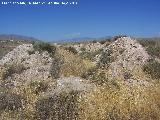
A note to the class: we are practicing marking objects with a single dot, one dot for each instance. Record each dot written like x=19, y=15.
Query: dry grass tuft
x=125, y=103
x=27, y=95
x=73, y=64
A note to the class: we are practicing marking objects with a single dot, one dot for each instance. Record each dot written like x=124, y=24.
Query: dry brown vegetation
x=125, y=103
x=73, y=65
x=111, y=99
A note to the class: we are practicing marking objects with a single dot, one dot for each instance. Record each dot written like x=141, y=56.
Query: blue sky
x=89, y=18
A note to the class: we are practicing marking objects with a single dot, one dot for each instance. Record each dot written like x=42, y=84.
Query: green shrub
x=96, y=76
x=152, y=47
x=146, y=43
x=83, y=49
x=31, y=52
x=89, y=74
x=152, y=68
x=100, y=78
x=119, y=36
x=3, y=72
x=41, y=46
x=71, y=49
x=154, y=51
x=94, y=41
x=105, y=59
x=56, y=67
x=104, y=41
x=38, y=86
x=14, y=68
x=89, y=55
x=86, y=55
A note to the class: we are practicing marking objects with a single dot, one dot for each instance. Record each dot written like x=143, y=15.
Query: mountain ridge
x=17, y=37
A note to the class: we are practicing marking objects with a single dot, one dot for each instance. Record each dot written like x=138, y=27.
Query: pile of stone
x=36, y=65
x=89, y=47
x=128, y=55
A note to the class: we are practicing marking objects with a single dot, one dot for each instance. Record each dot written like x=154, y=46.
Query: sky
x=87, y=18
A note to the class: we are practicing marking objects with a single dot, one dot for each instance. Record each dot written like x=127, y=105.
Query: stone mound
x=127, y=53
x=127, y=56
x=29, y=65
x=36, y=65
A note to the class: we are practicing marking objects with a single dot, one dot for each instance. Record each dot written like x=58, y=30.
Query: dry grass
x=105, y=103
x=108, y=103
x=30, y=95
x=73, y=64
x=28, y=110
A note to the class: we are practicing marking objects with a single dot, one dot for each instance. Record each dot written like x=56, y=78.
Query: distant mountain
x=16, y=37
x=82, y=39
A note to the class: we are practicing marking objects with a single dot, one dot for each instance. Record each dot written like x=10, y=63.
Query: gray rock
x=69, y=84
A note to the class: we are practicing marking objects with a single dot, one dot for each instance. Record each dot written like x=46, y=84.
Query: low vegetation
x=8, y=70
x=154, y=51
x=41, y=46
x=60, y=107
x=10, y=102
x=109, y=99
x=105, y=41
x=72, y=65
x=109, y=103
x=96, y=76
x=56, y=66
x=152, y=68
x=27, y=102
x=106, y=58
x=152, y=47
x=71, y=49
x=89, y=55
x=17, y=103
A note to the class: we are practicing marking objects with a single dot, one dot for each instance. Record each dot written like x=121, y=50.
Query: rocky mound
x=123, y=57
x=89, y=47
x=25, y=65
x=126, y=52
